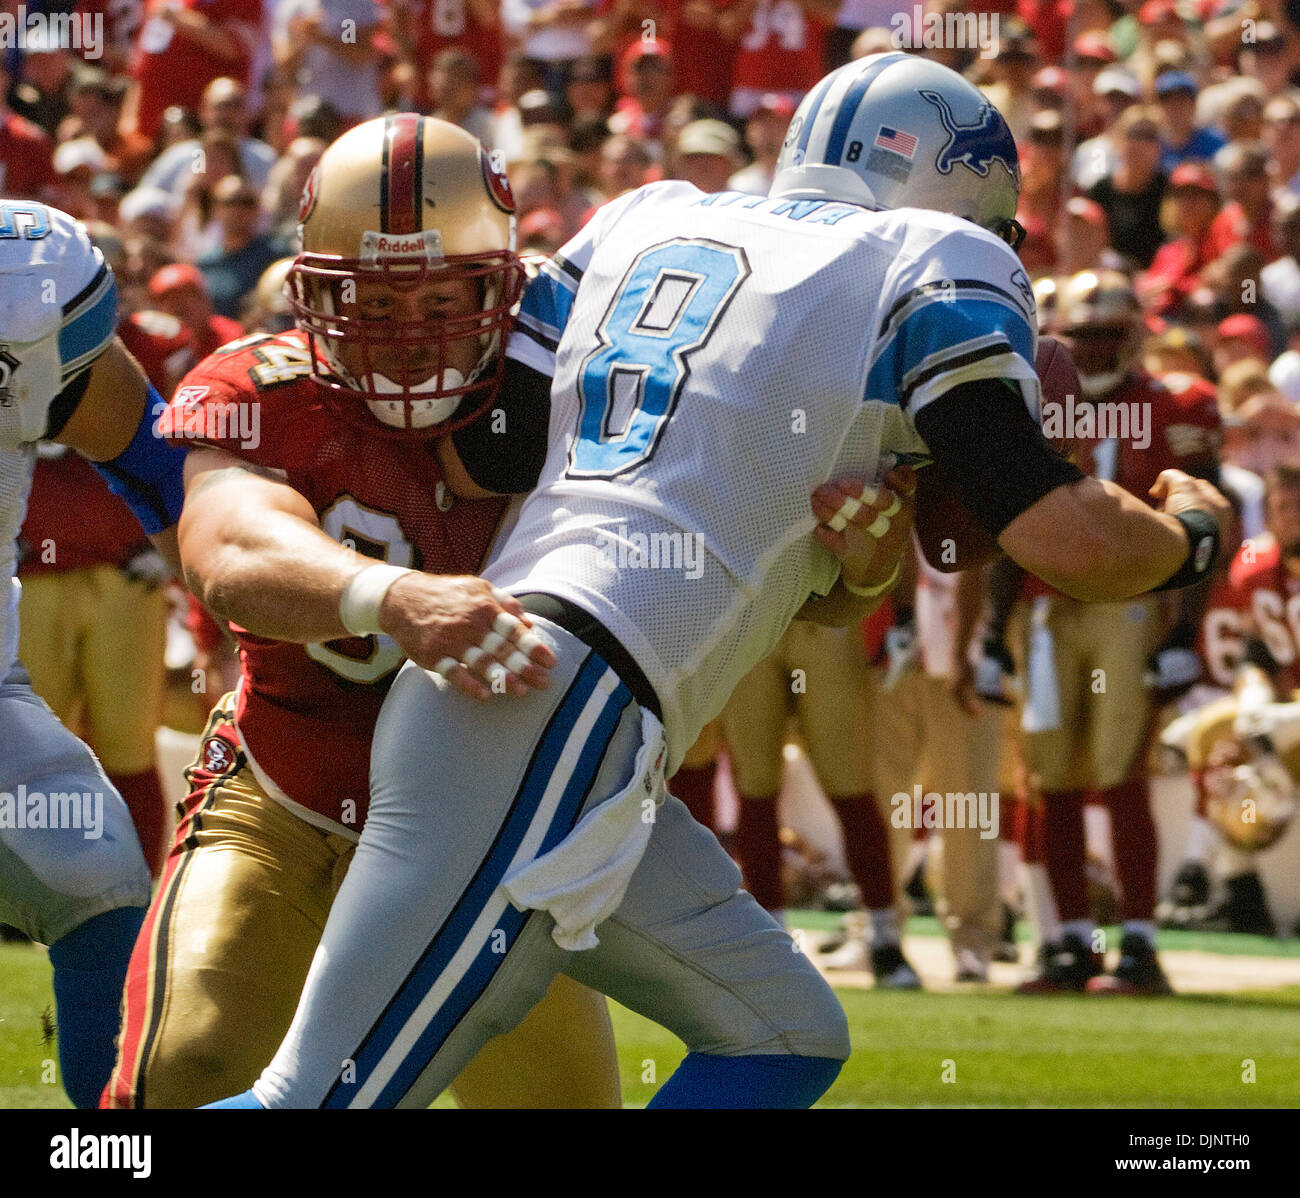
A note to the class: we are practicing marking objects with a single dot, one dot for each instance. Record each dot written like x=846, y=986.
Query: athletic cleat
x=1063, y=968
x=1138, y=971
x=892, y=969
x=971, y=966
x=918, y=897
x=1244, y=909
x=1007, y=950
x=1188, y=896
x=1191, y=887
x=851, y=954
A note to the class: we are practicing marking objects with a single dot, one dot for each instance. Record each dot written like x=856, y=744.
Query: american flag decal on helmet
x=897, y=141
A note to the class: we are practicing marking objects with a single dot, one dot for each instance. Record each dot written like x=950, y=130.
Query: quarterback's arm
x=111, y=424
x=254, y=553
x=1087, y=537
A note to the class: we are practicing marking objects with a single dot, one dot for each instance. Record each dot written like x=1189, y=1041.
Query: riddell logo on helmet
x=426, y=245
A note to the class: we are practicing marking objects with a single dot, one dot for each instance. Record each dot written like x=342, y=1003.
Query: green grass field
x=995, y=1049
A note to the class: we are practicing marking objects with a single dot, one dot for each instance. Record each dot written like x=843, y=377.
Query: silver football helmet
x=897, y=131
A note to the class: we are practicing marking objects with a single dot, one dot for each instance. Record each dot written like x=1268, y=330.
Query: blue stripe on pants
x=480, y=890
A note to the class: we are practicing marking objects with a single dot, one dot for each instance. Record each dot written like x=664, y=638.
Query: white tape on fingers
x=472, y=656
x=894, y=508
x=445, y=666
x=493, y=643
x=517, y=662
x=528, y=640
x=879, y=526
x=506, y=625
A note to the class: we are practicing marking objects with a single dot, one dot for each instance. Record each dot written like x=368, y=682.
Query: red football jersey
x=453, y=24
x=172, y=68
x=1180, y=415
x=306, y=713
x=1269, y=597
x=783, y=49
x=1145, y=426
x=1222, y=639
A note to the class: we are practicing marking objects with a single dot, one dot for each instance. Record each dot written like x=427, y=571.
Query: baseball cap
x=1176, y=81
x=1050, y=79
x=82, y=153
x=1155, y=11
x=775, y=104
x=546, y=222
x=1086, y=210
x=646, y=47
x=1096, y=46
x=176, y=277
x=1247, y=328
x=1116, y=80
x=709, y=137
x=1193, y=176
x=146, y=201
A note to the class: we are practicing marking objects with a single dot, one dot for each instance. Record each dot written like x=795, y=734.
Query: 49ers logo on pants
x=218, y=755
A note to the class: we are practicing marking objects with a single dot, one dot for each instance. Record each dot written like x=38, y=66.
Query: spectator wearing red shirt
x=706, y=34
x=646, y=80
x=783, y=50
x=423, y=29
x=183, y=46
x=1175, y=270
x=1042, y=166
x=26, y=165
x=179, y=290
x=1242, y=168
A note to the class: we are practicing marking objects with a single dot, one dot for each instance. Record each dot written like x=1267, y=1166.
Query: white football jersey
x=715, y=359
x=58, y=311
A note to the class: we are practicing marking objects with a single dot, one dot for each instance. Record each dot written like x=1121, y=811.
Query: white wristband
x=359, y=604
x=872, y=592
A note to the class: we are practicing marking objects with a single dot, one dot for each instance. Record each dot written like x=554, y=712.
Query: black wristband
x=1202, y=549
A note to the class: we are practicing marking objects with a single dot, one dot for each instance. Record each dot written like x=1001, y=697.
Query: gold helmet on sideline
x=1098, y=316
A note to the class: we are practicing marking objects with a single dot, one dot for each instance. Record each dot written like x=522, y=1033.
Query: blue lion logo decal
x=976, y=146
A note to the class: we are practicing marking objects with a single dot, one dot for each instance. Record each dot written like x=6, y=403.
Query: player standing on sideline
x=702, y=385
x=1079, y=738
x=391, y=454
x=64, y=376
